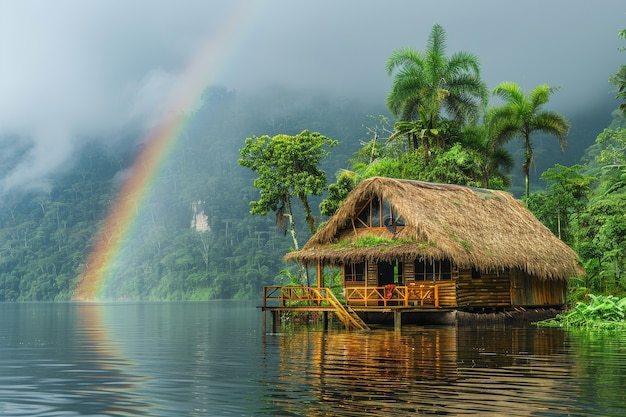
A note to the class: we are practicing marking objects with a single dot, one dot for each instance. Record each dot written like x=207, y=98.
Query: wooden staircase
x=345, y=313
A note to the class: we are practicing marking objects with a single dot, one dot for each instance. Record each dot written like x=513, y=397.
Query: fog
x=77, y=71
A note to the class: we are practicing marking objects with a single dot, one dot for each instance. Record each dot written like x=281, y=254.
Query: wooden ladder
x=356, y=317
x=348, y=316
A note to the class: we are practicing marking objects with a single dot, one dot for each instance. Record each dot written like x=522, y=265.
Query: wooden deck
x=359, y=302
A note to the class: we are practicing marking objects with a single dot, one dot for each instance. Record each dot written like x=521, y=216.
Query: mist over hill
x=47, y=233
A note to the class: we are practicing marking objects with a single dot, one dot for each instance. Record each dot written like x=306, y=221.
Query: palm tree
x=413, y=131
x=522, y=115
x=496, y=162
x=425, y=82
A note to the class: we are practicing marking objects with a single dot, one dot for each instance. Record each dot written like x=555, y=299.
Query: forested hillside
x=45, y=238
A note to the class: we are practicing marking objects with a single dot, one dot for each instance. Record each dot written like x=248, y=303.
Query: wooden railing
x=294, y=296
x=376, y=296
x=390, y=295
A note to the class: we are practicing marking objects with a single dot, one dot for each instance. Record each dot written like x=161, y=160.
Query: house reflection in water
x=439, y=370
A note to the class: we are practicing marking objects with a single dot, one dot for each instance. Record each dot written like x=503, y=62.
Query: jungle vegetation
x=240, y=155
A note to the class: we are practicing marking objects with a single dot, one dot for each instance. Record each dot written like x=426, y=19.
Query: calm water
x=213, y=359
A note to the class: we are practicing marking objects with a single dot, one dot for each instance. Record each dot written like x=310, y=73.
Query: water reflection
x=213, y=359
x=110, y=387
x=58, y=360
x=441, y=371
x=601, y=359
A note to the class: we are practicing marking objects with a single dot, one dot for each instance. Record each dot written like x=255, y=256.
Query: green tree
x=416, y=134
x=427, y=82
x=495, y=161
x=603, y=242
x=607, y=159
x=602, y=225
x=568, y=193
x=619, y=79
x=337, y=192
x=287, y=166
x=522, y=115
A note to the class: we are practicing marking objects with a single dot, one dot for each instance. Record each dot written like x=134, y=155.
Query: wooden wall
x=447, y=293
x=509, y=288
x=530, y=291
x=488, y=289
x=408, y=272
x=372, y=274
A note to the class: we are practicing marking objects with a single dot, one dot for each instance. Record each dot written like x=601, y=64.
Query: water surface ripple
x=215, y=359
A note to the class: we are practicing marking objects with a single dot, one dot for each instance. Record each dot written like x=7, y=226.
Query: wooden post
x=325, y=320
x=320, y=275
x=397, y=320
x=275, y=319
x=264, y=321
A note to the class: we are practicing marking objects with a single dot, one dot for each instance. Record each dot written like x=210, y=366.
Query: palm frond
x=402, y=58
x=437, y=40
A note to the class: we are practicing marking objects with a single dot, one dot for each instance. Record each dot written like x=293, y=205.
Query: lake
x=214, y=359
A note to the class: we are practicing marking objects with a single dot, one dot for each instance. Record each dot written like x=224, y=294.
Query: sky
x=77, y=71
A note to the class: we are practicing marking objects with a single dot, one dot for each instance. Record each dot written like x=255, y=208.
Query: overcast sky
x=78, y=70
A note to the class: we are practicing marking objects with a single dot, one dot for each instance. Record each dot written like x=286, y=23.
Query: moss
x=369, y=241
x=453, y=237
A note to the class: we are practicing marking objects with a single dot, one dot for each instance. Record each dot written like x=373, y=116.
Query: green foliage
x=560, y=207
x=287, y=166
x=603, y=312
x=369, y=240
x=603, y=232
x=372, y=240
x=612, y=142
x=601, y=223
x=46, y=239
x=456, y=165
x=338, y=192
x=429, y=81
x=619, y=78
x=521, y=115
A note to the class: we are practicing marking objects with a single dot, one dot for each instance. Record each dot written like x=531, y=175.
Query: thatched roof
x=478, y=228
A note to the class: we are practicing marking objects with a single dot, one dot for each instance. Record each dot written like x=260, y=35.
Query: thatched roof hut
x=476, y=228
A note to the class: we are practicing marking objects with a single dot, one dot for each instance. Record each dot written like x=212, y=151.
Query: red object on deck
x=389, y=291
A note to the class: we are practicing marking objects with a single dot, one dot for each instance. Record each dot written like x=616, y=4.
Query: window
x=377, y=213
x=475, y=273
x=354, y=272
x=390, y=273
x=426, y=270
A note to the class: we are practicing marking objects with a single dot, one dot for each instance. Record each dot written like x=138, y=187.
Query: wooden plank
x=372, y=274
x=489, y=290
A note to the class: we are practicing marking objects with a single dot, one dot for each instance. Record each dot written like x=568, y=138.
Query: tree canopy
x=425, y=82
x=522, y=115
x=287, y=166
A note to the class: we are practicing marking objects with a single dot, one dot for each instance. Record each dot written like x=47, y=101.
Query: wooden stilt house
x=413, y=245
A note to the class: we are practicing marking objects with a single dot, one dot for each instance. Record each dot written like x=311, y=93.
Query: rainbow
x=136, y=189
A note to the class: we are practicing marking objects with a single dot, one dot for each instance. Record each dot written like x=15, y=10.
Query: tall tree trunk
x=528, y=161
x=527, y=179
x=309, y=215
x=292, y=223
